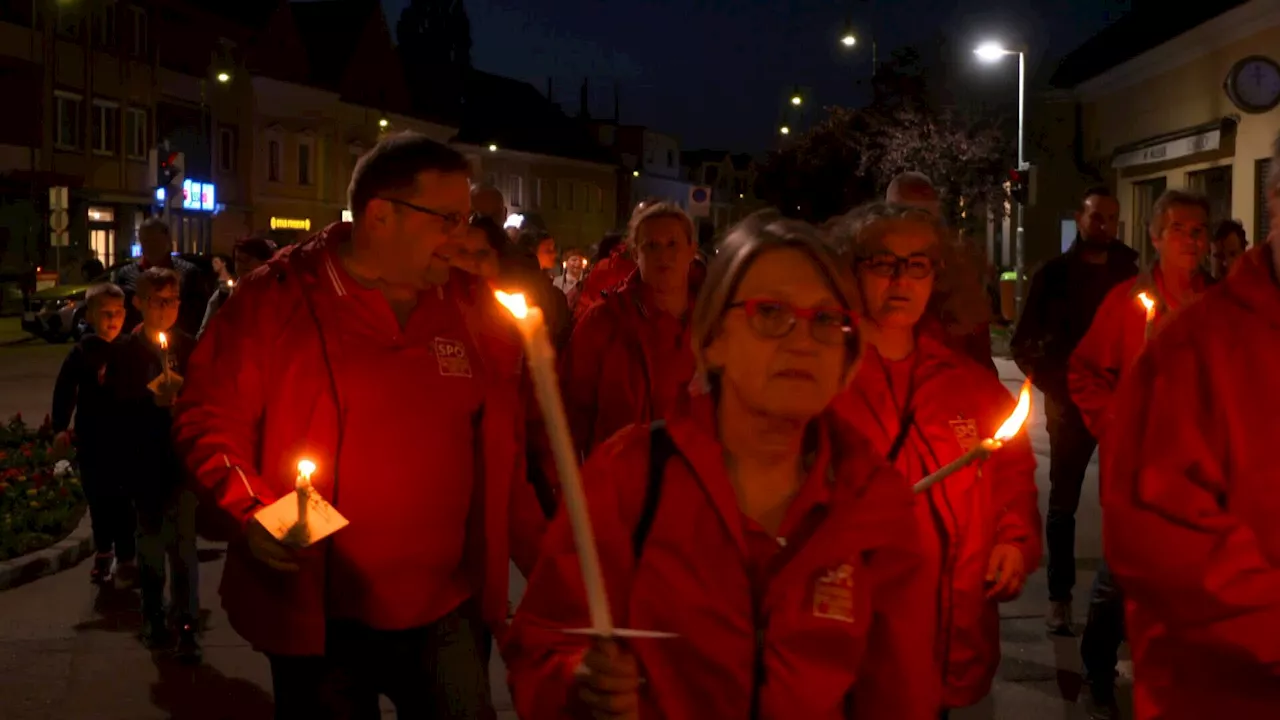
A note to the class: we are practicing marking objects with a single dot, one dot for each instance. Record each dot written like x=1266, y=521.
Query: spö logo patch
x=966, y=433
x=833, y=594
x=452, y=356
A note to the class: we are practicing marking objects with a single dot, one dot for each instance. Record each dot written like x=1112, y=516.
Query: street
x=69, y=652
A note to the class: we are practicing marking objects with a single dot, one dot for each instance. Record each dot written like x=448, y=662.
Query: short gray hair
x=754, y=236
x=646, y=212
x=1175, y=198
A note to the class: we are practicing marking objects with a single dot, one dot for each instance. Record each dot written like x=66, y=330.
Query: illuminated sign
x=160, y=195
x=347, y=216
x=198, y=196
x=279, y=223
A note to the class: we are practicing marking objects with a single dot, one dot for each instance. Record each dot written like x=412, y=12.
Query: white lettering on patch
x=452, y=356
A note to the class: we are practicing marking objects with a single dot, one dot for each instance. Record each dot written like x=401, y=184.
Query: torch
x=983, y=450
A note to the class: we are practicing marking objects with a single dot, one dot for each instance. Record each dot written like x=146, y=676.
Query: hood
x=1253, y=282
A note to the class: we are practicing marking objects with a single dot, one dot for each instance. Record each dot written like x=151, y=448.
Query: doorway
x=1145, y=194
x=1214, y=184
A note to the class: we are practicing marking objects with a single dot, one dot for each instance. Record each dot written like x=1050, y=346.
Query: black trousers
x=1070, y=449
x=1105, y=631
x=434, y=671
x=111, y=512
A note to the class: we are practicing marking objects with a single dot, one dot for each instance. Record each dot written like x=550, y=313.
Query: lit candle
x=982, y=450
x=230, y=283
x=302, y=488
x=163, y=340
x=541, y=358
x=1150, y=305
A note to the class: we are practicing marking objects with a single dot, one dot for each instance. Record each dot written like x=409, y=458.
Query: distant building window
x=104, y=26
x=565, y=195
x=106, y=127
x=304, y=163
x=135, y=133
x=538, y=189
x=138, y=18
x=67, y=118
x=515, y=194
x=227, y=148
x=273, y=160
x=596, y=198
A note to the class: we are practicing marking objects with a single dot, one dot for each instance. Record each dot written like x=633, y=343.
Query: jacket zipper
x=757, y=659
x=948, y=570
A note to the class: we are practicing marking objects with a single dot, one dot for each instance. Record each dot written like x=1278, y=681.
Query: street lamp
x=849, y=39
x=796, y=99
x=224, y=77
x=784, y=130
x=991, y=52
x=493, y=147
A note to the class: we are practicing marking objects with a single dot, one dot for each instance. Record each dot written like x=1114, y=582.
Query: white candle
x=1011, y=426
x=541, y=359
x=1150, y=306
x=163, y=340
x=302, y=488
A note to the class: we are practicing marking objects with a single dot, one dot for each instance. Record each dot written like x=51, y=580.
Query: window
x=68, y=21
x=227, y=148
x=566, y=195
x=538, y=191
x=597, y=199
x=515, y=194
x=106, y=127
x=304, y=162
x=104, y=26
x=273, y=160
x=135, y=133
x=138, y=18
x=67, y=116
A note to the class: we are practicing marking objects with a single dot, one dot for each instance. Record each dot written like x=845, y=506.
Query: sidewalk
x=11, y=330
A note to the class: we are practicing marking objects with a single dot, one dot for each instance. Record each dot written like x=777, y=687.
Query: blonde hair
x=754, y=236
x=646, y=212
x=959, y=297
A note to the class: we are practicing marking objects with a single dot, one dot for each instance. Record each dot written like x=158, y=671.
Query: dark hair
x=154, y=223
x=156, y=278
x=1096, y=191
x=1227, y=228
x=225, y=258
x=607, y=244
x=102, y=290
x=493, y=234
x=257, y=247
x=393, y=166
x=530, y=239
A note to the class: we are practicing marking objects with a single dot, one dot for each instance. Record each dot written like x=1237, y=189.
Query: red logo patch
x=966, y=433
x=833, y=594
x=452, y=357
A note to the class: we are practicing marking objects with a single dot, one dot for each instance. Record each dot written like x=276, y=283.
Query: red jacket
x=693, y=580
x=1113, y=343
x=615, y=361
x=606, y=275
x=956, y=404
x=1191, y=501
x=259, y=394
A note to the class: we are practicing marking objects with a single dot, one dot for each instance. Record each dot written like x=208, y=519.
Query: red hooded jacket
x=955, y=403
x=803, y=657
x=606, y=275
x=1114, y=341
x=260, y=393
x=627, y=362
x=1191, y=501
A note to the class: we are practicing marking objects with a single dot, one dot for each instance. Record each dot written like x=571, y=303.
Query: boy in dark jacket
x=152, y=363
x=86, y=387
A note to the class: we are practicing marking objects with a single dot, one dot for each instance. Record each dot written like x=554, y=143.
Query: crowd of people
x=750, y=427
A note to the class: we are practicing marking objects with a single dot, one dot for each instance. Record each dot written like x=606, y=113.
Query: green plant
x=41, y=499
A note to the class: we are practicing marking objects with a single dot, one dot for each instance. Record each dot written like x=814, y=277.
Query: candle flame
x=1146, y=301
x=231, y=283
x=305, y=468
x=515, y=303
x=163, y=340
x=1019, y=416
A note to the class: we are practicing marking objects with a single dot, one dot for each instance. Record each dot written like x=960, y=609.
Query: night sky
x=716, y=73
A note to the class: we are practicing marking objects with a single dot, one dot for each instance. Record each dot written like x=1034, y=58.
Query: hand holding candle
x=1150, y=306
x=302, y=487
x=982, y=450
x=303, y=517
x=163, y=341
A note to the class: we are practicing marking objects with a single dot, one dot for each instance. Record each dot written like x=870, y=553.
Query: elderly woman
x=923, y=404
x=765, y=534
x=629, y=359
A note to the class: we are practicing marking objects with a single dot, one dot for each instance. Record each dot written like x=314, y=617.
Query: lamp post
x=992, y=52
x=850, y=39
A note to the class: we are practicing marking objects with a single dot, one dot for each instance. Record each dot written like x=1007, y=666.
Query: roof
x=248, y=14
x=513, y=114
x=329, y=30
x=1143, y=29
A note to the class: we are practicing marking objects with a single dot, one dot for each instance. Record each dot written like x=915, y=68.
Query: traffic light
x=168, y=169
x=1022, y=185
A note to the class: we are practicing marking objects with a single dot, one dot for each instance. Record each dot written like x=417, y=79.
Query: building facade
x=1166, y=117
x=732, y=179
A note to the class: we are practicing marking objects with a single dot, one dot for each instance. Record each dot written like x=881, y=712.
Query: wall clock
x=1253, y=84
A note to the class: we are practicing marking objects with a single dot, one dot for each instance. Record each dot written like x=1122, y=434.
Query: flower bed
x=41, y=500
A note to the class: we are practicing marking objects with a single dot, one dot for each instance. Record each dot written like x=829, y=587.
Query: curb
x=57, y=557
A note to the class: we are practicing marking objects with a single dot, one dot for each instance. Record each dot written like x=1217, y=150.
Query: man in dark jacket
x=157, y=251
x=1065, y=293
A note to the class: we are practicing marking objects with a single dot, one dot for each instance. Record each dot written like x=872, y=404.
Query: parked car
x=57, y=313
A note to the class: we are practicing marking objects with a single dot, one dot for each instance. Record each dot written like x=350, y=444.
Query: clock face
x=1255, y=84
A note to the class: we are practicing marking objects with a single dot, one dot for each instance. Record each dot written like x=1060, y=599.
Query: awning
x=1171, y=146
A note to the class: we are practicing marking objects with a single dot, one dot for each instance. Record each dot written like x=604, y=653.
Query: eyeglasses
x=775, y=319
x=163, y=303
x=916, y=266
x=450, y=221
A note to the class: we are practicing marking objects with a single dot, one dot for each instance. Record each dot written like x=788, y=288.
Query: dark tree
x=435, y=34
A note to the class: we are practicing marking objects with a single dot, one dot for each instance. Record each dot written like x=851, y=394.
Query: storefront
x=190, y=216
x=289, y=230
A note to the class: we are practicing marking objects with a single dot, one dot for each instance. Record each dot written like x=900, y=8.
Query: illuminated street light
x=224, y=77
x=796, y=99
x=635, y=173
x=493, y=148
x=991, y=52
x=848, y=40
x=784, y=130
x=383, y=123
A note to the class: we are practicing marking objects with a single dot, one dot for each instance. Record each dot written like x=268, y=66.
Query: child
x=151, y=376
x=86, y=387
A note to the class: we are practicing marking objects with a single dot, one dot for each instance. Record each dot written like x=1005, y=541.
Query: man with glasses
x=400, y=377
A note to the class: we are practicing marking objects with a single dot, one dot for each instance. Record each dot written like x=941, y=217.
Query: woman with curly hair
x=923, y=404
